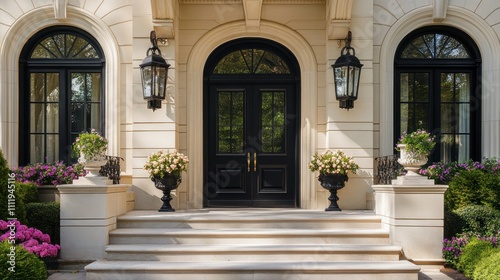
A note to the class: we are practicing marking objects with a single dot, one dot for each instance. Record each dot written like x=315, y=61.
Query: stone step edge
x=239, y=266
x=309, y=217
x=267, y=249
x=230, y=233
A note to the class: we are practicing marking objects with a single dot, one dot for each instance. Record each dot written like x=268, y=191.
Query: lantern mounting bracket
x=154, y=44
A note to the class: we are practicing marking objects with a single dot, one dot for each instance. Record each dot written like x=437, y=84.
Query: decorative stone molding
x=194, y=88
x=440, y=8
x=253, y=10
x=339, y=15
x=60, y=9
x=163, y=18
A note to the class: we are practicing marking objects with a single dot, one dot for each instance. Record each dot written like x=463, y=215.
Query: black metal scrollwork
x=112, y=169
x=388, y=169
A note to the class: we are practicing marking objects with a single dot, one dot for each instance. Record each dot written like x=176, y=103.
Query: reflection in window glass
x=230, y=122
x=251, y=61
x=273, y=121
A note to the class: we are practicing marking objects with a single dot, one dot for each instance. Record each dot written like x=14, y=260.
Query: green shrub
x=453, y=224
x=25, y=264
x=478, y=219
x=20, y=193
x=491, y=187
x=465, y=189
x=488, y=268
x=473, y=252
x=45, y=216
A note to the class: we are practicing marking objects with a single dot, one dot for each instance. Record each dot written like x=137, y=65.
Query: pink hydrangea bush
x=32, y=239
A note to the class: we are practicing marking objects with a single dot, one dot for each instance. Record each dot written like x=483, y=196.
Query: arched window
x=61, y=93
x=437, y=89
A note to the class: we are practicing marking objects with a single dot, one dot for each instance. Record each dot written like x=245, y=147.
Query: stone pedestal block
x=413, y=213
x=89, y=209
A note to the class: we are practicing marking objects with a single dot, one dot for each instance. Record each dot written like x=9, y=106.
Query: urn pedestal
x=166, y=184
x=333, y=183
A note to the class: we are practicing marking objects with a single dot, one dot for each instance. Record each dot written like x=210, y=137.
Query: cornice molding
x=297, y=2
x=339, y=14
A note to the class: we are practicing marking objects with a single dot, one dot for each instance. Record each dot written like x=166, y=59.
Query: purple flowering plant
x=443, y=173
x=32, y=239
x=452, y=248
x=49, y=173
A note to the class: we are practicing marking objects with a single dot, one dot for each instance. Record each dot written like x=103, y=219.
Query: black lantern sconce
x=154, y=74
x=346, y=73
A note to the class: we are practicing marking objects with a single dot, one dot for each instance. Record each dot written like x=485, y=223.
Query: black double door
x=251, y=150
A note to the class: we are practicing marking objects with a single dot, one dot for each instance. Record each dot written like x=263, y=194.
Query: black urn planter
x=333, y=183
x=166, y=184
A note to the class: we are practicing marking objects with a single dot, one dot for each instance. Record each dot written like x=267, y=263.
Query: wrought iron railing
x=112, y=169
x=388, y=169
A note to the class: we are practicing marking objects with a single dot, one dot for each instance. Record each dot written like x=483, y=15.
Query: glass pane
x=463, y=148
x=78, y=91
x=447, y=87
x=421, y=116
x=405, y=119
x=421, y=87
x=95, y=117
x=463, y=118
x=405, y=79
x=340, y=77
x=435, y=45
x=77, y=117
x=251, y=61
x=272, y=64
x=447, y=142
x=64, y=46
x=462, y=84
x=52, y=115
x=232, y=63
x=52, y=87
x=94, y=87
x=52, y=148
x=37, y=87
x=37, y=118
x=230, y=122
x=273, y=121
x=448, y=120
x=37, y=147
x=146, y=81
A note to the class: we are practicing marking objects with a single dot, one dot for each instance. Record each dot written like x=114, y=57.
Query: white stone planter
x=410, y=161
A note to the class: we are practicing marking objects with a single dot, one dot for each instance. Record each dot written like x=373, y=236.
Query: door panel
x=251, y=157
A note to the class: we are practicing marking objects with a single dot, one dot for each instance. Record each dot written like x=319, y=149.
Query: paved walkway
x=426, y=274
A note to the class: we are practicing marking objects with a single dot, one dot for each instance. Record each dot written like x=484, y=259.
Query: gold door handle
x=248, y=162
x=254, y=162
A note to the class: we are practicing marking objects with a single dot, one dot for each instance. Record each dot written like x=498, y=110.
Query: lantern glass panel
x=146, y=82
x=341, y=81
x=160, y=81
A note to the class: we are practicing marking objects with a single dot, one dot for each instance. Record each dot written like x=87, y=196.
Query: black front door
x=252, y=146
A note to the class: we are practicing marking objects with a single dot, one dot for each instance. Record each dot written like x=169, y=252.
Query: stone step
x=128, y=270
x=268, y=236
x=294, y=218
x=224, y=253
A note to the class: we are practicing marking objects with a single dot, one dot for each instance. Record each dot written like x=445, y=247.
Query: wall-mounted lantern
x=346, y=73
x=154, y=74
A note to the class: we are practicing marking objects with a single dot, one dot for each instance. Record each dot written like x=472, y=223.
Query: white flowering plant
x=91, y=144
x=333, y=163
x=162, y=163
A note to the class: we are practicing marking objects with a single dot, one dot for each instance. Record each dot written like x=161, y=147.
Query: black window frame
x=64, y=67
x=436, y=66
